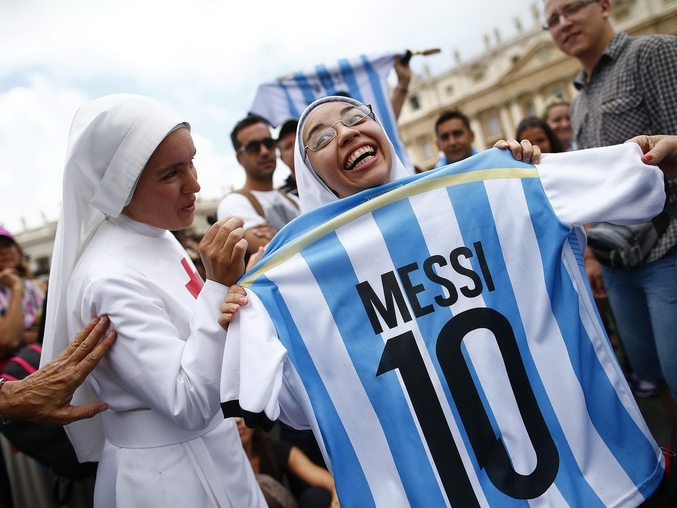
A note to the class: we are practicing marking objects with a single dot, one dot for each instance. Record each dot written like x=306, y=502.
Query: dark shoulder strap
x=252, y=199
x=296, y=205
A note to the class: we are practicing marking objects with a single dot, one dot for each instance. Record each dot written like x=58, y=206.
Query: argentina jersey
x=439, y=336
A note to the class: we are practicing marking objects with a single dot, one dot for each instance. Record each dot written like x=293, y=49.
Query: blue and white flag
x=363, y=78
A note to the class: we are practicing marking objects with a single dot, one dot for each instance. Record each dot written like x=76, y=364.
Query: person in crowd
x=280, y=460
x=263, y=208
x=46, y=394
x=558, y=117
x=129, y=180
x=454, y=137
x=285, y=147
x=627, y=88
x=407, y=324
x=538, y=133
x=20, y=298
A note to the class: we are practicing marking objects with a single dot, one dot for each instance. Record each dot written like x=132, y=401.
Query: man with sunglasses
x=263, y=208
x=627, y=87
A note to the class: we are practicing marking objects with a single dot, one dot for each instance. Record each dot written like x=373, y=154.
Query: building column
x=539, y=103
x=480, y=142
x=506, y=122
x=516, y=112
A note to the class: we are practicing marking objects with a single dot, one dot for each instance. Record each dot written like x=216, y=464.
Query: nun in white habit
x=129, y=179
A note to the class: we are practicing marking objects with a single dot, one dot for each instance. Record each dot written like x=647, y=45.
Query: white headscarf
x=110, y=141
x=313, y=192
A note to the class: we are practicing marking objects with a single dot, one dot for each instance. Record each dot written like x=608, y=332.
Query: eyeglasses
x=254, y=146
x=322, y=137
x=567, y=11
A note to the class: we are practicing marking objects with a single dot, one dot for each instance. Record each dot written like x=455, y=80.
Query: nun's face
x=165, y=194
x=358, y=158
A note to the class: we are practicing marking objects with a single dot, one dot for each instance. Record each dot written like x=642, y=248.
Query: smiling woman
x=129, y=179
x=342, y=149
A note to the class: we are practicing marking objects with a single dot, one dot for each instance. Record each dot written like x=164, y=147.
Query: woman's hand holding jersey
x=222, y=251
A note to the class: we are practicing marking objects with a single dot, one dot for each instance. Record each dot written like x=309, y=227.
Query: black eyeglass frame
x=570, y=9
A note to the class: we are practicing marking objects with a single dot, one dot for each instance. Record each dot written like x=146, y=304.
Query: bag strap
x=252, y=199
x=662, y=220
x=255, y=202
x=296, y=205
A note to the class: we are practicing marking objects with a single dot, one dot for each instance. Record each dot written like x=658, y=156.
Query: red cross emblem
x=195, y=284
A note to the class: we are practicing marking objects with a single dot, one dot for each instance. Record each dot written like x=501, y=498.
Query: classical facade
x=511, y=80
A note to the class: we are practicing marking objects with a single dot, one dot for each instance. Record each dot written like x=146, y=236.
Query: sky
x=204, y=59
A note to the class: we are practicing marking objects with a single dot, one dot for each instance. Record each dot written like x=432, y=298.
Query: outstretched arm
x=45, y=395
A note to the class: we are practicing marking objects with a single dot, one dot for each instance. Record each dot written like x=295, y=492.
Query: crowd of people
x=354, y=333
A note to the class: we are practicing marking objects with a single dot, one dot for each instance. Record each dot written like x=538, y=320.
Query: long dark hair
x=263, y=449
x=532, y=122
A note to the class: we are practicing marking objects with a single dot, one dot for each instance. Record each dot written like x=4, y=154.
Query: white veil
x=313, y=192
x=110, y=141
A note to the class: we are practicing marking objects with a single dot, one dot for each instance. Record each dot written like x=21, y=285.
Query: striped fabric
x=439, y=337
x=363, y=78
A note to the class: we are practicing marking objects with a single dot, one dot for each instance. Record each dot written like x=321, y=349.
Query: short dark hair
x=288, y=127
x=243, y=124
x=450, y=115
x=532, y=122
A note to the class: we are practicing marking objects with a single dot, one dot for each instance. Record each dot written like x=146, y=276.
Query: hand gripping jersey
x=439, y=336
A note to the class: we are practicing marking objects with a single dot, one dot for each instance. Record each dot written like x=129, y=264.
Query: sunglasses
x=254, y=146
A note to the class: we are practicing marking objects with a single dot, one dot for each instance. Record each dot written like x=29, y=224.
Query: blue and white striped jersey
x=439, y=336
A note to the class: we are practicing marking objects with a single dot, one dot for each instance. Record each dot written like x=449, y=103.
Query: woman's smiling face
x=358, y=158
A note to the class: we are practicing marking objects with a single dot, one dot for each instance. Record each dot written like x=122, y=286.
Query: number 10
x=402, y=353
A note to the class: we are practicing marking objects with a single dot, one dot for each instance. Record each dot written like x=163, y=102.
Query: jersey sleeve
x=239, y=206
x=171, y=371
x=609, y=184
x=253, y=367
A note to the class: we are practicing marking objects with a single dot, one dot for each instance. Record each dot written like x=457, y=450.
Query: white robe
x=167, y=443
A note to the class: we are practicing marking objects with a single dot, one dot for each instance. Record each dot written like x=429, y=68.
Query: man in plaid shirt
x=627, y=87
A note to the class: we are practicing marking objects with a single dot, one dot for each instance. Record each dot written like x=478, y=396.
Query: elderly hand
x=659, y=150
x=523, y=151
x=222, y=250
x=45, y=395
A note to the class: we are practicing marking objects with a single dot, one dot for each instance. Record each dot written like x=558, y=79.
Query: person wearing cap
x=129, y=180
x=20, y=298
